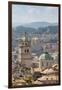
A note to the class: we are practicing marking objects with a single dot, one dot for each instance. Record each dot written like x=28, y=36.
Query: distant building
x=55, y=56
x=45, y=60
x=24, y=51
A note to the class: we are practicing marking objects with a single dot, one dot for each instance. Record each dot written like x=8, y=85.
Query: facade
x=24, y=51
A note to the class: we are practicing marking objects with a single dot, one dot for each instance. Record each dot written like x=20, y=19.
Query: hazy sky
x=22, y=14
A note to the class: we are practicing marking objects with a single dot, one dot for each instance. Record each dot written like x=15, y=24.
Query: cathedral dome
x=45, y=56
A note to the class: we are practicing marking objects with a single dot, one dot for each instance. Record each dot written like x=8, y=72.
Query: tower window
x=25, y=43
x=22, y=43
x=27, y=50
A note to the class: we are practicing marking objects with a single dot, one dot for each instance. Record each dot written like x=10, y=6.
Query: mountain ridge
x=36, y=25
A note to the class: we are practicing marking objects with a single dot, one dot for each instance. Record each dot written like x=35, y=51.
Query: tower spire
x=26, y=36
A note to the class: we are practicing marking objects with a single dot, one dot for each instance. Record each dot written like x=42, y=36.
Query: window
x=46, y=78
x=27, y=50
x=22, y=43
x=25, y=43
x=15, y=57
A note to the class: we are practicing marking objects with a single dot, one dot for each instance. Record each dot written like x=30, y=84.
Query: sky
x=23, y=14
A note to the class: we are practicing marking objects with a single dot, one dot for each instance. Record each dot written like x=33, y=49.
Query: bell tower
x=24, y=51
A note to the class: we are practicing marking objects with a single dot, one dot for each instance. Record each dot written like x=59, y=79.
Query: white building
x=56, y=57
x=24, y=51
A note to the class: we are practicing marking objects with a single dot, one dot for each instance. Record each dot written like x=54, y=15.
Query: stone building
x=24, y=51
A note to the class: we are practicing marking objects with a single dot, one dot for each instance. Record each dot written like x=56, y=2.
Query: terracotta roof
x=49, y=71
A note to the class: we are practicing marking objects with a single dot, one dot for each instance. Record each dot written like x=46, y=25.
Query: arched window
x=26, y=43
x=27, y=50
